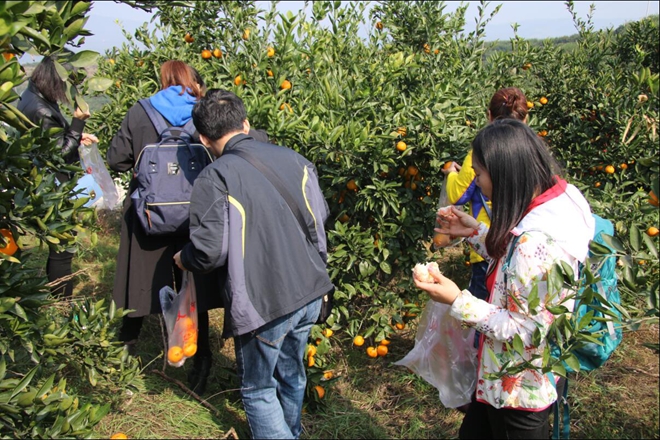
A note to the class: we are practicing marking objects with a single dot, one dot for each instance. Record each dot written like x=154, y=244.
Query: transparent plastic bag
x=93, y=164
x=444, y=355
x=180, y=314
x=444, y=240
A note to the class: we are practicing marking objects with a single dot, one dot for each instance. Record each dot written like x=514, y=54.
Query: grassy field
x=368, y=398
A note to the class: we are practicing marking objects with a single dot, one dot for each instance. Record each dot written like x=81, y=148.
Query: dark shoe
x=199, y=375
x=131, y=346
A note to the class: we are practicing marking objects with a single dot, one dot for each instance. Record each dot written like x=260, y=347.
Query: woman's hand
x=79, y=114
x=455, y=222
x=88, y=139
x=454, y=167
x=443, y=290
x=177, y=261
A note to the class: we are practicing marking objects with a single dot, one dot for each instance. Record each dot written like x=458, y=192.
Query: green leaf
x=572, y=361
x=599, y=249
x=23, y=383
x=651, y=246
x=99, y=84
x=518, y=345
x=559, y=369
x=84, y=58
x=634, y=238
x=46, y=386
x=385, y=267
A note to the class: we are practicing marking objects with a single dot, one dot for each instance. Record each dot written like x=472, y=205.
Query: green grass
x=368, y=398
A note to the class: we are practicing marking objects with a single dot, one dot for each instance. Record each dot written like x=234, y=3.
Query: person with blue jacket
x=144, y=262
x=275, y=264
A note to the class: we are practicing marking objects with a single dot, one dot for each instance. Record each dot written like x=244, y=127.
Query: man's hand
x=177, y=261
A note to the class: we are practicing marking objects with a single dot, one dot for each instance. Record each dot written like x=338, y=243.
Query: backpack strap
x=160, y=124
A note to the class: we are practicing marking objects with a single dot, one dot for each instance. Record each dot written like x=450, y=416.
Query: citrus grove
x=379, y=115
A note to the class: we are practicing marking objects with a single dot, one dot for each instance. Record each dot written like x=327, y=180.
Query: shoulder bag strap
x=483, y=200
x=278, y=184
x=154, y=116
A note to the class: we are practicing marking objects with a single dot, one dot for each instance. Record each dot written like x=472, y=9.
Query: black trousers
x=484, y=421
x=58, y=266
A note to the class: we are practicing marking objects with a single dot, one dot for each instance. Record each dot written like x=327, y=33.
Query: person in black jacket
x=40, y=104
x=275, y=270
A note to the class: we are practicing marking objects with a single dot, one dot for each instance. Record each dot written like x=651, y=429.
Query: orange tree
x=53, y=366
x=380, y=114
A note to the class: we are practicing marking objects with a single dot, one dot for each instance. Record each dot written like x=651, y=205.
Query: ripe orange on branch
x=217, y=53
x=286, y=85
x=609, y=169
x=652, y=231
x=358, y=341
x=206, y=54
x=372, y=352
x=9, y=247
x=401, y=146
x=270, y=52
x=188, y=38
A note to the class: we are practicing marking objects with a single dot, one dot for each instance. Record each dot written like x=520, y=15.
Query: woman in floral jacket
x=516, y=171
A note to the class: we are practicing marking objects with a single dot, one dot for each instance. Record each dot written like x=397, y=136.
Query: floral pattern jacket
x=557, y=230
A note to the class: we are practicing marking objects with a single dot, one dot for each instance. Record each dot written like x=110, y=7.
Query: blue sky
x=536, y=19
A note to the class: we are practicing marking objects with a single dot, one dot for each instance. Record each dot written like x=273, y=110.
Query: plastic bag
x=180, y=313
x=93, y=164
x=444, y=355
x=444, y=240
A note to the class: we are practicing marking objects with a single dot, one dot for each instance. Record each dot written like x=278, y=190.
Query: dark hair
x=178, y=73
x=46, y=79
x=520, y=167
x=199, y=80
x=509, y=102
x=219, y=112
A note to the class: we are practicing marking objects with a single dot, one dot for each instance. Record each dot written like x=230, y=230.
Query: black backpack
x=165, y=173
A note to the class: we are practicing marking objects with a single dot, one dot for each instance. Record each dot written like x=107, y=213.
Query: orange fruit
x=111, y=61
x=530, y=104
x=8, y=56
x=344, y=218
x=427, y=49
x=328, y=375
x=186, y=323
x=385, y=342
x=527, y=66
x=372, y=352
x=403, y=131
x=206, y=54
x=543, y=133
x=379, y=26
x=624, y=166
x=217, y=53
x=413, y=186
x=652, y=231
x=286, y=106
x=610, y=169
x=119, y=435
x=269, y=73
x=9, y=246
x=310, y=361
x=401, y=146
x=351, y=185
x=189, y=349
x=175, y=354
x=597, y=184
x=437, y=51
x=653, y=198
x=190, y=335
x=270, y=52
x=327, y=332
x=320, y=391
x=311, y=350
x=382, y=350
x=286, y=85
x=188, y=38
x=358, y=341
x=413, y=170
x=447, y=165
x=238, y=80
x=246, y=34
x=399, y=325
x=543, y=100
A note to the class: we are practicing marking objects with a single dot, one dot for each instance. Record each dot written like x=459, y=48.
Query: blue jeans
x=272, y=372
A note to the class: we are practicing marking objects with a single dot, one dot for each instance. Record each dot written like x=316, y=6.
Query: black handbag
x=326, y=305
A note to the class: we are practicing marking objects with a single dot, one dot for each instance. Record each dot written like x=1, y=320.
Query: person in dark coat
x=144, y=263
x=40, y=104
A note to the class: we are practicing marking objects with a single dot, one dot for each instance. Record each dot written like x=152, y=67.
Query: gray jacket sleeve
x=208, y=245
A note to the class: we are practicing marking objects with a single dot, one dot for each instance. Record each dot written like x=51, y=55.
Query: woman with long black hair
x=553, y=221
x=40, y=103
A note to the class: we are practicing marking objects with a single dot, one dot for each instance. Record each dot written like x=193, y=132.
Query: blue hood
x=176, y=108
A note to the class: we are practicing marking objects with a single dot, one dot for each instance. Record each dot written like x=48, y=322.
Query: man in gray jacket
x=276, y=272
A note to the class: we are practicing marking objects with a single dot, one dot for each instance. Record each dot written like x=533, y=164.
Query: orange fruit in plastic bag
x=189, y=349
x=186, y=323
x=190, y=336
x=175, y=354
